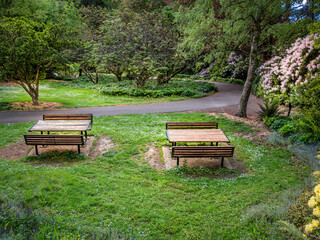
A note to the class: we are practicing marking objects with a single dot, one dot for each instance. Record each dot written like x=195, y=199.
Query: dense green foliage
x=119, y=189
x=33, y=40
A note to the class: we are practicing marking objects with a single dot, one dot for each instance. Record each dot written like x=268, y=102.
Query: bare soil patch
x=153, y=157
x=15, y=150
x=9, y=84
x=101, y=146
x=92, y=149
x=27, y=106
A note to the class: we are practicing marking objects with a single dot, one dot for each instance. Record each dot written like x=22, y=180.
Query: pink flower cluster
x=299, y=64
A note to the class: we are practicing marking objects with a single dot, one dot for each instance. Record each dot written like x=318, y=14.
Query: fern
x=269, y=109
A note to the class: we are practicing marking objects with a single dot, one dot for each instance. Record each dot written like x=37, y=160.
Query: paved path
x=226, y=100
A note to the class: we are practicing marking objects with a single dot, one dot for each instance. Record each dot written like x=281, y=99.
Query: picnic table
x=197, y=132
x=61, y=126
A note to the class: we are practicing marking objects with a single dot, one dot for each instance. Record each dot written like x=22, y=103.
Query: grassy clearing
x=120, y=191
x=82, y=93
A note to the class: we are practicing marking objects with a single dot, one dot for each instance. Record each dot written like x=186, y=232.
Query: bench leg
x=222, y=158
x=36, y=147
x=78, y=149
x=177, y=161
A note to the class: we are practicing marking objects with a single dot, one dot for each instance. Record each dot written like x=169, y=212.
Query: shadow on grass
x=55, y=158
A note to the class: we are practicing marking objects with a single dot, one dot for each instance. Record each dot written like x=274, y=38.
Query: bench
x=191, y=125
x=87, y=116
x=202, y=151
x=39, y=139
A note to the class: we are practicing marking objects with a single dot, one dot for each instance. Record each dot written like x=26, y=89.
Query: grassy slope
x=120, y=190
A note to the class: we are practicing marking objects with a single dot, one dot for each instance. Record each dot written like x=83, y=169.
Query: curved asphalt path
x=227, y=99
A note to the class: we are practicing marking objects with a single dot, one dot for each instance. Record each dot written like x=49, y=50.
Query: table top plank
x=60, y=125
x=197, y=135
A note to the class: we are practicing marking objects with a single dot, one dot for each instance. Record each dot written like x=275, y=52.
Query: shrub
x=287, y=129
x=268, y=120
x=228, y=80
x=282, y=75
x=311, y=127
x=5, y=106
x=314, y=204
x=189, y=93
x=186, y=88
x=298, y=213
x=279, y=122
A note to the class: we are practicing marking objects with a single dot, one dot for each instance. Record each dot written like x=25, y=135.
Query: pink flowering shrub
x=282, y=75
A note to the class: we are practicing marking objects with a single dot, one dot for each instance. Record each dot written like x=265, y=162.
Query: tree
x=31, y=43
x=229, y=25
x=143, y=42
x=91, y=35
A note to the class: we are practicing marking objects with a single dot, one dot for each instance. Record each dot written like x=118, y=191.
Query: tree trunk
x=30, y=86
x=97, y=76
x=89, y=76
x=242, y=111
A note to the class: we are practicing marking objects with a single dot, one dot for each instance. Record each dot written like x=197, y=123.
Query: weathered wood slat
x=61, y=125
x=196, y=135
x=79, y=117
x=202, y=151
x=36, y=139
x=191, y=125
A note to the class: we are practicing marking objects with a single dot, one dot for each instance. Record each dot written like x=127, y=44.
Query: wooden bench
x=202, y=151
x=39, y=139
x=191, y=125
x=87, y=116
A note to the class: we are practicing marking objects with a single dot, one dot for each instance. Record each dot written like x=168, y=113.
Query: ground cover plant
x=119, y=190
x=82, y=93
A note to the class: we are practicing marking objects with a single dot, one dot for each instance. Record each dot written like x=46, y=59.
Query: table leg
x=36, y=147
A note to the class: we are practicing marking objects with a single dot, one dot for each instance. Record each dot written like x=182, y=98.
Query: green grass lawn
x=73, y=97
x=120, y=192
x=82, y=93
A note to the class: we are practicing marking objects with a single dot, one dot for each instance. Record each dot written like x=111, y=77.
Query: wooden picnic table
x=61, y=126
x=196, y=135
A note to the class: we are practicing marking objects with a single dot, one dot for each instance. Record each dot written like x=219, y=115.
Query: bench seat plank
x=202, y=151
x=39, y=139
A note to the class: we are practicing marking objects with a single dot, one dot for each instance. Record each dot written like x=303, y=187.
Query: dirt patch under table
x=92, y=148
